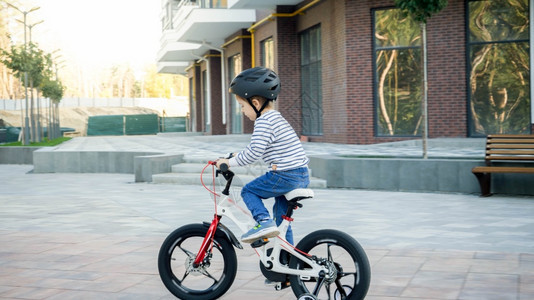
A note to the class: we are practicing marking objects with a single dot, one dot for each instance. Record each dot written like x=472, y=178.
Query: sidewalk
x=97, y=236
x=207, y=146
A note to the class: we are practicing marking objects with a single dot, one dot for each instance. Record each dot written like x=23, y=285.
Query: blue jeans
x=274, y=184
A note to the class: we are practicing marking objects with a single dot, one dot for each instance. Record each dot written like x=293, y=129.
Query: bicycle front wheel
x=348, y=265
x=211, y=279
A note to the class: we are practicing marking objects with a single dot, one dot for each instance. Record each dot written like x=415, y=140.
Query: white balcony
x=178, y=51
x=209, y=25
x=262, y=4
x=176, y=67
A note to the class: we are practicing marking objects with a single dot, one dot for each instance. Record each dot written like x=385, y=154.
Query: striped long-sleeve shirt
x=274, y=141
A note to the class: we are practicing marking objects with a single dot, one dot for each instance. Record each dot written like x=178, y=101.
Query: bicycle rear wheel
x=211, y=279
x=348, y=264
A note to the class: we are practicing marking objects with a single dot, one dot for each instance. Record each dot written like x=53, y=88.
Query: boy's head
x=260, y=84
x=253, y=106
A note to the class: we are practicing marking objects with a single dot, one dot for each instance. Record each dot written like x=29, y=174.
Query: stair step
x=194, y=179
x=197, y=168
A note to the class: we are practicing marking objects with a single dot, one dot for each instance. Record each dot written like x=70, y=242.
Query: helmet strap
x=258, y=112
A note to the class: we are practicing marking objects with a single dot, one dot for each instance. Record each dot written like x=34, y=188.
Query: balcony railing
x=178, y=10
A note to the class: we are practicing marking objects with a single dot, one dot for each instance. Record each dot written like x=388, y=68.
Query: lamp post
x=26, y=131
x=35, y=123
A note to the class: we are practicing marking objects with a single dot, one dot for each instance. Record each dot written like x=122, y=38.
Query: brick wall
x=347, y=70
x=199, y=115
x=330, y=16
x=242, y=47
x=359, y=71
x=217, y=126
x=446, y=72
x=288, y=58
x=447, y=98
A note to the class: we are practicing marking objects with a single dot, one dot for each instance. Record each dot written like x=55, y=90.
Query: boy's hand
x=222, y=161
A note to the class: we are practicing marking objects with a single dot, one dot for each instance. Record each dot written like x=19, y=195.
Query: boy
x=274, y=141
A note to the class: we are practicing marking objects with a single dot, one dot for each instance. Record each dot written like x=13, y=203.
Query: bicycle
x=199, y=262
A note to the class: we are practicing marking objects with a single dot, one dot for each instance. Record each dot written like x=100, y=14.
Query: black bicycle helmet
x=258, y=81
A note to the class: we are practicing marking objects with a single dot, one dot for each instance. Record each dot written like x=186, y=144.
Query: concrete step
x=193, y=167
x=194, y=179
x=188, y=173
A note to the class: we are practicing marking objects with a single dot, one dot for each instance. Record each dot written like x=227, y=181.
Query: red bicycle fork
x=207, y=243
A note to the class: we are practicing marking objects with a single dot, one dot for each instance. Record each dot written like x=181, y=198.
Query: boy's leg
x=280, y=209
x=253, y=195
x=273, y=184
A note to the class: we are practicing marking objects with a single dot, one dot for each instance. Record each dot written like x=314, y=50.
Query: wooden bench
x=503, y=151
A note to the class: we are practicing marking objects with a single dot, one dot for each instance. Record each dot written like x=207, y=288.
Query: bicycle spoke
x=329, y=252
x=344, y=274
x=340, y=289
x=185, y=275
x=187, y=252
x=207, y=274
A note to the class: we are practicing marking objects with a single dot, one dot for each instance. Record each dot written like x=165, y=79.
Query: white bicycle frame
x=272, y=261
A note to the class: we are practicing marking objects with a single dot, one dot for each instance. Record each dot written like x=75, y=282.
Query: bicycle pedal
x=282, y=285
x=259, y=243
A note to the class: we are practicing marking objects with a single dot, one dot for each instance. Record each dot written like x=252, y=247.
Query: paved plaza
x=97, y=236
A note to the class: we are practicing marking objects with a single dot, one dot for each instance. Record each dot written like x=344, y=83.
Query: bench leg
x=484, y=179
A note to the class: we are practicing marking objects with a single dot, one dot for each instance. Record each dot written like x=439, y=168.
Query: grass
x=45, y=143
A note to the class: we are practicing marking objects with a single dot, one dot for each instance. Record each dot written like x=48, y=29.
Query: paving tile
x=100, y=237
x=435, y=284
x=30, y=293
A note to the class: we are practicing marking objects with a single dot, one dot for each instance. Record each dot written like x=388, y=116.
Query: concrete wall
x=17, y=155
x=142, y=164
x=430, y=175
x=392, y=174
x=146, y=166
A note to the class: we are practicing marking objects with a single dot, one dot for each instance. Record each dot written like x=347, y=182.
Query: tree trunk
x=424, y=107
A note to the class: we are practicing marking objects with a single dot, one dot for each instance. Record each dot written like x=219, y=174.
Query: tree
x=9, y=85
x=36, y=74
x=18, y=61
x=421, y=11
x=164, y=85
x=54, y=90
x=37, y=65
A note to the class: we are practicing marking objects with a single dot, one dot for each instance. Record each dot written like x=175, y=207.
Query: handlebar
x=227, y=174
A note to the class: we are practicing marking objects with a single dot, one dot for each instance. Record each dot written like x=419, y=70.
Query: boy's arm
x=261, y=138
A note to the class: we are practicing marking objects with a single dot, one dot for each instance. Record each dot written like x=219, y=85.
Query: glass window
x=234, y=68
x=192, y=106
x=499, y=67
x=206, y=102
x=311, y=81
x=397, y=73
x=267, y=53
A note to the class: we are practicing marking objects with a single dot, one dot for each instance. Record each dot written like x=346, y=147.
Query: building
x=352, y=70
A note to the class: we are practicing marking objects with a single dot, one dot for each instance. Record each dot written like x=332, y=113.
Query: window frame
x=469, y=44
x=320, y=120
x=375, y=49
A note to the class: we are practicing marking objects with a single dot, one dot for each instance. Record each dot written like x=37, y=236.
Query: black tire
x=342, y=251
x=209, y=281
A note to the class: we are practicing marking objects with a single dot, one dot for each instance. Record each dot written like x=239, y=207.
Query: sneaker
x=264, y=229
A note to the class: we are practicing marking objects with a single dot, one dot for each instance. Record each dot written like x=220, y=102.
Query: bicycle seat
x=299, y=194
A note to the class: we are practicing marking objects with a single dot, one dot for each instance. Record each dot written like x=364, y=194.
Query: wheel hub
x=192, y=270
x=332, y=272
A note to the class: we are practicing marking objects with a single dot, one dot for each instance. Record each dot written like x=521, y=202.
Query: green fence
x=173, y=124
x=134, y=124
x=105, y=125
x=140, y=124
